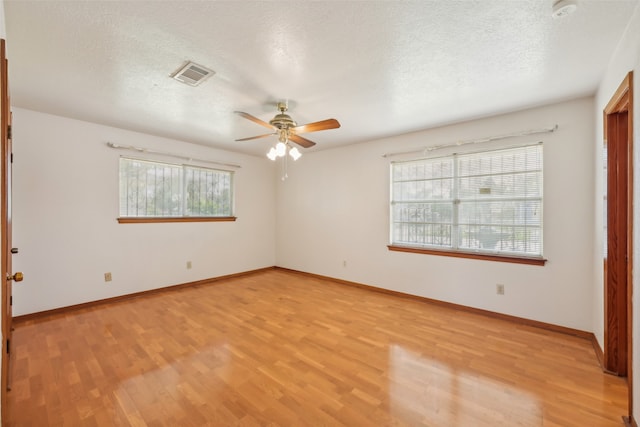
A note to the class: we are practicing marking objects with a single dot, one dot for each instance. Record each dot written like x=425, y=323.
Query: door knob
x=18, y=277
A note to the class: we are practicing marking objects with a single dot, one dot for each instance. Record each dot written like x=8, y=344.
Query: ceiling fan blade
x=304, y=142
x=254, y=119
x=256, y=137
x=316, y=126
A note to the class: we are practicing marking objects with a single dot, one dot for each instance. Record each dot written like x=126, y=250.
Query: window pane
x=505, y=239
x=208, y=192
x=500, y=195
x=501, y=212
x=422, y=193
x=423, y=223
x=153, y=189
x=149, y=189
x=490, y=201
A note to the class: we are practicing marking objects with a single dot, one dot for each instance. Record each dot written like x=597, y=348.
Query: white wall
x=65, y=205
x=626, y=58
x=335, y=207
x=3, y=31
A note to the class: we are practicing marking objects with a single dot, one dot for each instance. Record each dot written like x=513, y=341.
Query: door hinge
x=11, y=300
x=11, y=157
x=8, y=343
x=9, y=132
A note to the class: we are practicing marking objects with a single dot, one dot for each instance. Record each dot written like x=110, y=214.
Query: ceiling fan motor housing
x=282, y=121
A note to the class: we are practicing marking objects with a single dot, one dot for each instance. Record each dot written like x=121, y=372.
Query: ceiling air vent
x=192, y=74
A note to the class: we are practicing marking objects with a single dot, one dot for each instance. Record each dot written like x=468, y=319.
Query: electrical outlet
x=188, y=265
x=500, y=289
x=107, y=277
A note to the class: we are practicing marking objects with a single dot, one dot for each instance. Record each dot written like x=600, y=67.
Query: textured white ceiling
x=379, y=67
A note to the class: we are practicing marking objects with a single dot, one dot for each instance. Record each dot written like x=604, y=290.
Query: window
x=488, y=202
x=163, y=190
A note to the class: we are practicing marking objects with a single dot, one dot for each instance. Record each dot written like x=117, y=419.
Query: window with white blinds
x=154, y=189
x=488, y=202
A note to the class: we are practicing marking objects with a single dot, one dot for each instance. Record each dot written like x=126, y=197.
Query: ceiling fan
x=287, y=129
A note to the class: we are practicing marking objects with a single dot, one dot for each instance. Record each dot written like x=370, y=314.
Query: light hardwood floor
x=282, y=349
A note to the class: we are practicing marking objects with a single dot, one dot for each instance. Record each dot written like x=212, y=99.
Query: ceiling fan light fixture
x=295, y=153
x=272, y=154
x=281, y=149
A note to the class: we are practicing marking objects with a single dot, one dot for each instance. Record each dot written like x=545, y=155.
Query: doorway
x=5, y=231
x=618, y=136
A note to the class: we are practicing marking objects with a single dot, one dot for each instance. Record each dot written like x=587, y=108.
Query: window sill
x=471, y=255
x=147, y=219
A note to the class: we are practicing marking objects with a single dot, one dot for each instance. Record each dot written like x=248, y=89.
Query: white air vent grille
x=192, y=74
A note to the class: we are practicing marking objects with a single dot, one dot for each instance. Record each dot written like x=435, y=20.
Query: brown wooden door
x=616, y=351
x=7, y=276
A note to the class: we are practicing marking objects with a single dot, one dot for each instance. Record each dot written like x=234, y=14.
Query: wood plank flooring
x=282, y=349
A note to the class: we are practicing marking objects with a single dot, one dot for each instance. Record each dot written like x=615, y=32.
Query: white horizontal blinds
x=422, y=202
x=208, y=192
x=149, y=189
x=482, y=202
x=500, y=201
x=154, y=189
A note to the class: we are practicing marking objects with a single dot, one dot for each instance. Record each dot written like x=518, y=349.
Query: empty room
x=320, y=213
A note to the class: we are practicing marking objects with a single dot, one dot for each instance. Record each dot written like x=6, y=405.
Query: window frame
x=426, y=249
x=177, y=218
